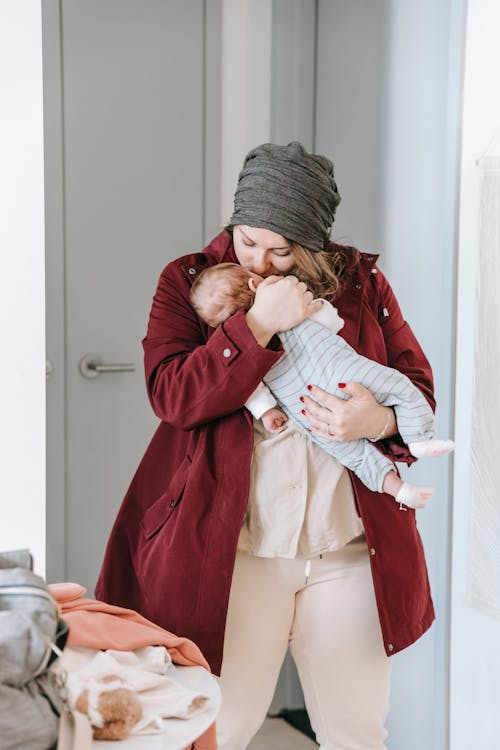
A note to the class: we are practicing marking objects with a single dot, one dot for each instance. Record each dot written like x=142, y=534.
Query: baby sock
x=426, y=448
x=414, y=496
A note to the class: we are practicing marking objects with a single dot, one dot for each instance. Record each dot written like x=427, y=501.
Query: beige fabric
x=75, y=732
x=300, y=500
x=333, y=629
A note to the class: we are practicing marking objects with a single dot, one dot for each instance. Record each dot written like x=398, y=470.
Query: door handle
x=91, y=366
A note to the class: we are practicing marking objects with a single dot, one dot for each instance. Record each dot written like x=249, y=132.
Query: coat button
x=390, y=647
x=192, y=271
x=172, y=503
x=358, y=286
x=372, y=551
x=370, y=258
x=226, y=353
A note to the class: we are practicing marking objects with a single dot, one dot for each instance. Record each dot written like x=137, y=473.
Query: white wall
x=22, y=372
x=388, y=96
x=475, y=637
x=246, y=88
x=418, y=251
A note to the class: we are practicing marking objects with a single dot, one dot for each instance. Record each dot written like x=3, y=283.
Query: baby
x=314, y=353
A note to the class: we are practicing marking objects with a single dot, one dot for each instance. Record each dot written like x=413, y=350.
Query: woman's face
x=262, y=251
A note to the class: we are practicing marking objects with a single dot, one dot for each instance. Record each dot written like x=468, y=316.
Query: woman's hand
x=339, y=420
x=281, y=302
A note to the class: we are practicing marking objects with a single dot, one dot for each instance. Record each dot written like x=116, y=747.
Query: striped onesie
x=314, y=353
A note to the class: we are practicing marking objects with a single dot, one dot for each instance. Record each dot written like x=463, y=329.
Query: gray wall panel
x=350, y=111
x=293, y=71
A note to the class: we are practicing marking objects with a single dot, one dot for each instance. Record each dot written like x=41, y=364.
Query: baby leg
x=405, y=493
x=434, y=447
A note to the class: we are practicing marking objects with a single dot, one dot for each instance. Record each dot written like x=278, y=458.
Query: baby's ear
x=251, y=284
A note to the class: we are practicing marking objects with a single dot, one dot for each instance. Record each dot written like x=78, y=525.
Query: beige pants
x=332, y=627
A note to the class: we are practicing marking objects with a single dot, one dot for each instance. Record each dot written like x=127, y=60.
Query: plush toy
x=111, y=706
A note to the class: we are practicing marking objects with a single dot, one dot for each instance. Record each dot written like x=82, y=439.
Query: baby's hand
x=274, y=420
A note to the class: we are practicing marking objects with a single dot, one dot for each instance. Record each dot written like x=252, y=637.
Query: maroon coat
x=172, y=548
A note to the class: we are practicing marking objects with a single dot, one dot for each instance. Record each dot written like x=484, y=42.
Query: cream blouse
x=301, y=501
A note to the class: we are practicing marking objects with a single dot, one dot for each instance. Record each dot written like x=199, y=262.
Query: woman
x=246, y=543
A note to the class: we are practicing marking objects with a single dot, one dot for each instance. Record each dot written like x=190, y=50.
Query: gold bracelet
x=382, y=434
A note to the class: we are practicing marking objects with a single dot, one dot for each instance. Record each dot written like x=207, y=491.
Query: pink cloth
x=100, y=626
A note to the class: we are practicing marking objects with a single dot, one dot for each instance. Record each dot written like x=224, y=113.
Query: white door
x=126, y=159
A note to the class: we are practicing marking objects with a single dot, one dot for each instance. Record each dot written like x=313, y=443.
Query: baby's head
x=221, y=290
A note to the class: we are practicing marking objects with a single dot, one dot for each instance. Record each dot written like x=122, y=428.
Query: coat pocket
x=161, y=510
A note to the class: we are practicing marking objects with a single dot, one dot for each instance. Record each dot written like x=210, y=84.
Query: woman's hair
x=325, y=272
x=219, y=291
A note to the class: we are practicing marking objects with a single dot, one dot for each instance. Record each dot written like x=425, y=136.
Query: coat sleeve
x=405, y=354
x=190, y=380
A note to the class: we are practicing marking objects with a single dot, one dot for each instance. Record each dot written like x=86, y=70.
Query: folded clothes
x=99, y=625
x=160, y=696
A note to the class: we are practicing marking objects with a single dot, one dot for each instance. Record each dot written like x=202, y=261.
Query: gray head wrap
x=287, y=190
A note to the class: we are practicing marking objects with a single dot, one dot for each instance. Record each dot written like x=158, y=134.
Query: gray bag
x=30, y=701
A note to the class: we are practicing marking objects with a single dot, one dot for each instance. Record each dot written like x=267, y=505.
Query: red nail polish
x=302, y=399
x=309, y=387
x=302, y=411
x=341, y=385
